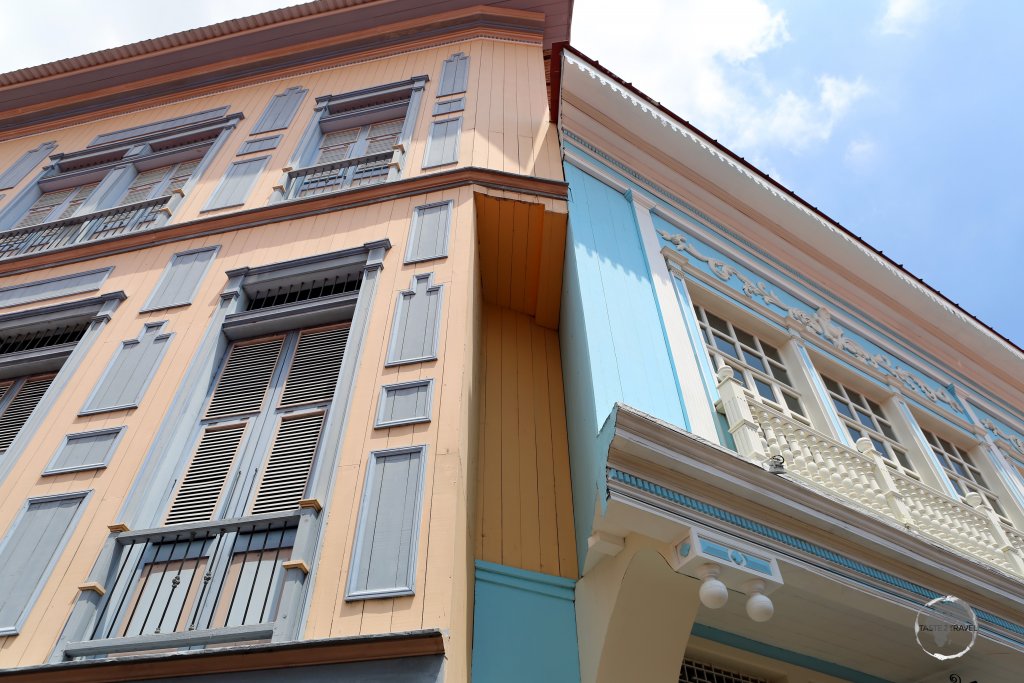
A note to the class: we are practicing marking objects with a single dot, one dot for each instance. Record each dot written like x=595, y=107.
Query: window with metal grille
x=961, y=471
x=699, y=672
x=42, y=338
x=863, y=417
x=755, y=363
x=304, y=290
x=373, y=143
x=263, y=421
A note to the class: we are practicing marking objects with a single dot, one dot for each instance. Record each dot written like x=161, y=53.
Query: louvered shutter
x=201, y=488
x=246, y=376
x=20, y=408
x=383, y=136
x=335, y=146
x=314, y=370
x=287, y=470
x=48, y=206
x=78, y=198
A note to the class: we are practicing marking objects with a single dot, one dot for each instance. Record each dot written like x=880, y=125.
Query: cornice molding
x=298, y=208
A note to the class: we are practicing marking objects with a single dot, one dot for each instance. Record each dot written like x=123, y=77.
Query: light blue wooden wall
x=612, y=335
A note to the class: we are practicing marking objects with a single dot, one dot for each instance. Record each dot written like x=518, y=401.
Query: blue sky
x=898, y=118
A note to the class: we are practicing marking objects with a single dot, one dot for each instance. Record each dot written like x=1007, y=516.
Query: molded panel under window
x=416, y=325
x=281, y=110
x=25, y=164
x=85, y=451
x=181, y=278
x=260, y=145
x=406, y=403
x=384, y=558
x=450, y=106
x=159, y=126
x=125, y=380
x=29, y=552
x=428, y=236
x=443, y=143
x=54, y=287
x=234, y=188
x=454, y=75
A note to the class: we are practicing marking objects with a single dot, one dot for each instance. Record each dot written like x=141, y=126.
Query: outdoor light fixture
x=723, y=563
x=759, y=605
x=713, y=593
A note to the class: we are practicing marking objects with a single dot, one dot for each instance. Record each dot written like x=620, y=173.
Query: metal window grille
x=41, y=339
x=315, y=288
x=699, y=672
x=754, y=362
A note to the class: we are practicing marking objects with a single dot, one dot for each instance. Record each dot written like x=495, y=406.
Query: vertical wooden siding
x=524, y=503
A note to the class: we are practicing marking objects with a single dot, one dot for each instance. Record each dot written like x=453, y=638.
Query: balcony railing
x=862, y=476
x=335, y=176
x=92, y=227
x=195, y=584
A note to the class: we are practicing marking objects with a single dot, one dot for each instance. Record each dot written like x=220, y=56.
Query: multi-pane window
x=961, y=471
x=373, y=143
x=264, y=421
x=56, y=205
x=754, y=362
x=864, y=417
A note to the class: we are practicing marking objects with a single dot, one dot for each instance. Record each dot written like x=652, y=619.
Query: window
x=755, y=363
x=53, y=206
x=356, y=139
x=962, y=473
x=263, y=420
x=865, y=418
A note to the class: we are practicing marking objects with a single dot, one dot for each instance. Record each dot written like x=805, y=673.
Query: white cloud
x=861, y=154
x=703, y=60
x=901, y=16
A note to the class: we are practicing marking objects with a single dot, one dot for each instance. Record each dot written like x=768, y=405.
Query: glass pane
x=832, y=385
x=976, y=475
x=726, y=346
x=843, y=408
x=995, y=505
x=887, y=430
x=902, y=457
x=946, y=446
x=865, y=419
x=764, y=389
x=717, y=322
x=855, y=397
x=754, y=362
x=745, y=338
x=780, y=373
x=878, y=444
x=960, y=469
x=854, y=433
x=771, y=352
x=956, y=485
x=793, y=402
x=875, y=408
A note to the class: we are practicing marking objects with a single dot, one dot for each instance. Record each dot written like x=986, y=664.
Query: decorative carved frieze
x=820, y=323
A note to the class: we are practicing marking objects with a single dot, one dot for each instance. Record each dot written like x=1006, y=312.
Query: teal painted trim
x=782, y=655
x=800, y=544
x=523, y=579
x=631, y=177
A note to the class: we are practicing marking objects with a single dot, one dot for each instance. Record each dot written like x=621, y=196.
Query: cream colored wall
x=442, y=586
x=505, y=124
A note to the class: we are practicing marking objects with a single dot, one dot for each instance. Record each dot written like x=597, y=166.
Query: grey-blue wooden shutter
x=25, y=164
x=129, y=373
x=428, y=236
x=281, y=110
x=416, y=324
x=52, y=288
x=234, y=188
x=29, y=552
x=181, y=278
x=405, y=403
x=450, y=106
x=384, y=558
x=17, y=411
x=159, y=126
x=454, y=75
x=259, y=145
x=443, y=142
x=85, y=450
x=201, y=488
